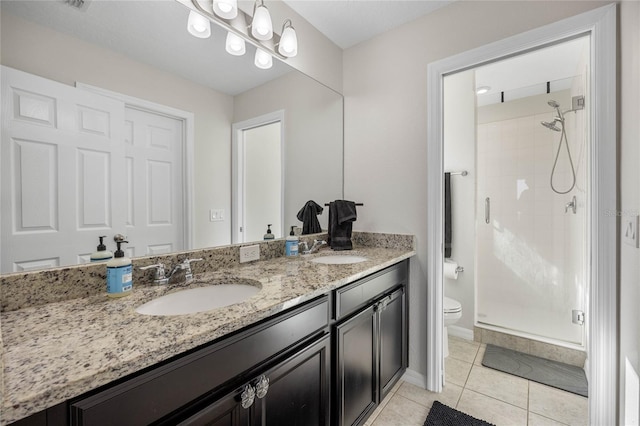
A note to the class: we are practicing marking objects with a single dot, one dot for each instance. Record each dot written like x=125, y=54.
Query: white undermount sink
x=338, y=259
x=201, y=299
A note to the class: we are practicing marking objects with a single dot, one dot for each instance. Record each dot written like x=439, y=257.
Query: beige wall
x=56, y=56
x=629, y=154
x=385, y=88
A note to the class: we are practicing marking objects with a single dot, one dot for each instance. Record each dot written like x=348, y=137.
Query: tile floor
x=499, y=398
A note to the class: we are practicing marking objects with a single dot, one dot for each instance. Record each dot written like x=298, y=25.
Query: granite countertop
x=61, y=350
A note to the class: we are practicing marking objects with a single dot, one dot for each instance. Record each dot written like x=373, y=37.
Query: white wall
x=629, y=155
x=56, y=56
x=460, y=154
x=385, y=88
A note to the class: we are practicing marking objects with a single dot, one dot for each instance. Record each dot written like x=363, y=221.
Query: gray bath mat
x=443, y=415
x=551, y=373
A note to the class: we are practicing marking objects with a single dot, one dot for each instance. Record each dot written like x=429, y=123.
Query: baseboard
x=415, y=378
x=463, y=333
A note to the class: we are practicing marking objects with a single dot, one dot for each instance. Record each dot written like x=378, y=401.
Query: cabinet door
x=298, y=393
x=356, y=357
x=393, y=340
x=227, y=411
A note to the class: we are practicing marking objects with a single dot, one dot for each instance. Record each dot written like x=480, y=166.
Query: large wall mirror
x=133, y=57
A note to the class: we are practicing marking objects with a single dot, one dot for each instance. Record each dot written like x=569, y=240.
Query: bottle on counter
x=269, y=235
x=291, y=244
x=101, y=254
x=119, y=274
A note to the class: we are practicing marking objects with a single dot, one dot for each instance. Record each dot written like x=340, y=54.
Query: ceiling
x=349, y=22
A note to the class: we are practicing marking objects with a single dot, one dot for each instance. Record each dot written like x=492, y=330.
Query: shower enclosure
x=531, y=231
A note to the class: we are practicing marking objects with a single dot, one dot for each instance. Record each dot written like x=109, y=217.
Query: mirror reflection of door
x=259, y=178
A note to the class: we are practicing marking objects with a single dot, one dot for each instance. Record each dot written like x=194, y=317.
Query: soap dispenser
x=269, y=235
x=119, y=274
x=101, y=254
x=291, y=244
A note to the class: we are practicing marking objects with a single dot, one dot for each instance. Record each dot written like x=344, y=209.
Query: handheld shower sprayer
x=553, y=125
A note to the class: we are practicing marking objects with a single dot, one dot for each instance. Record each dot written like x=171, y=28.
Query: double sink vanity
x=311, y=340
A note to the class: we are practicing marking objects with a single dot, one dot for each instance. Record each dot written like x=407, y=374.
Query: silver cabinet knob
x=248, y=396
x=262, y=386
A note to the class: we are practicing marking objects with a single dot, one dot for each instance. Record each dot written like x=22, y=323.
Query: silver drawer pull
x=487, y=210
x=248, y=396
x=262, y=386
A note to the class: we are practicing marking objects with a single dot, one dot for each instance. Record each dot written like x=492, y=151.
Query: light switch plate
x=630, y=230
x=249, y=253
x=216, y=215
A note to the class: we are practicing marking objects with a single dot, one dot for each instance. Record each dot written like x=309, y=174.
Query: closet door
x=62, y=163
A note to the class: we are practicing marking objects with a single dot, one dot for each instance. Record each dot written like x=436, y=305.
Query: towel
x=342, y=214
x=308, y=215
x=447, y=215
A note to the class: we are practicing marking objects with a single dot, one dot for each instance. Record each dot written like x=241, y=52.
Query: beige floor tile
x=449, y=396
x=480, y=355
x=538, y=420
x=380, y=407
x=401, y=412
x=491, y=410
x=564, y=407
x=456, y=371
x=505, y=387
x=464, y=350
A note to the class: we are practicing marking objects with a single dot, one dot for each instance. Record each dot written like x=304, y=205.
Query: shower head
x=553, y=104
x=551, y=125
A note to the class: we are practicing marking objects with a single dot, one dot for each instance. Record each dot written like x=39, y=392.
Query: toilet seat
x=451, y=306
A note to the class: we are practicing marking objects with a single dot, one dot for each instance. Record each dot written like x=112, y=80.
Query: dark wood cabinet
x=294, y=392
x=371, y=351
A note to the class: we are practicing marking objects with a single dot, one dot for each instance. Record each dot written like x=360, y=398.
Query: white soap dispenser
x=101, y=254
x=119, y=274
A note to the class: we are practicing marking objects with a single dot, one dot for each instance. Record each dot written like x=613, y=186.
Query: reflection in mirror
x=158, y=64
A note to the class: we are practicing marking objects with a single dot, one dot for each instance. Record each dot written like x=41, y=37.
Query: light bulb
x=235, y=44
x=288, y=45
x=482, y=90
x=263, y=60
x=261, y=27
x=198, y=25
x=227, y=9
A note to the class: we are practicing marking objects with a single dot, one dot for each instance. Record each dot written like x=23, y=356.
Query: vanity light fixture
x=227, y=9
x=242, y=28
x=482, y=90
x=235, y=45
x=261, y=26
x=263, y=60
x=288, y=45
x=198, y=25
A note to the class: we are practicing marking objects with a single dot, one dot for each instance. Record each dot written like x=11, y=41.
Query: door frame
x=188, y=129
x=602, y=343
x=237, y=168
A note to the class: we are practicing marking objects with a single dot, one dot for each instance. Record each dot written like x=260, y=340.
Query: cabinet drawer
x=154, y=394
x=354, y=296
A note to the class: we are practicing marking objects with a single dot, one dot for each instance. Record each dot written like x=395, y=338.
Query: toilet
x=452, y=313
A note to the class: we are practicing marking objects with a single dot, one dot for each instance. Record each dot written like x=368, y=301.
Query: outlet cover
x=249, y=253
x=630, y=230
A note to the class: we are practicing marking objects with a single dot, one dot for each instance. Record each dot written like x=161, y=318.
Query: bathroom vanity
x=318, y=345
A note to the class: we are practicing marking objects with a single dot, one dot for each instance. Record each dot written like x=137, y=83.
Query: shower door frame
x=600, y=24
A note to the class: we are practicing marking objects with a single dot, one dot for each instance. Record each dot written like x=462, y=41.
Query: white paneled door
x=72, y=169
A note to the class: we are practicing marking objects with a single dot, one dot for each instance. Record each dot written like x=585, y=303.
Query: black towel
x=342, y=214
x=447, y=215
x=308, y=215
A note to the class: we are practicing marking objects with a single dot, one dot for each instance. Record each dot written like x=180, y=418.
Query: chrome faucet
x=160, y=277
x=314, y=248
x=571, y=205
